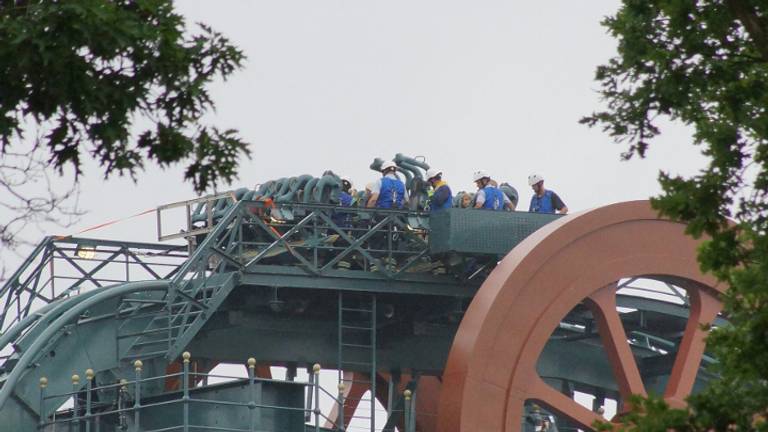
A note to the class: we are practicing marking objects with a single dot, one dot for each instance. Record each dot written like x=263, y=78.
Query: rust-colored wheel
x=491, y=370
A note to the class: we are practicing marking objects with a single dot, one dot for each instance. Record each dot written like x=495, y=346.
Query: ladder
x=357, y=349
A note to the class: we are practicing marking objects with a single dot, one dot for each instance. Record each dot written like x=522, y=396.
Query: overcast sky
x=493, y=85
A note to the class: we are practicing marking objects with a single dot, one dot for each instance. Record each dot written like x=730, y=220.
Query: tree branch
x=754, y=24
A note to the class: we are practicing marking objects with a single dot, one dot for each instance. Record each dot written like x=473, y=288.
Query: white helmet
x=534, y=178
x=479, y=175
x=387, y=165
x=432, y=173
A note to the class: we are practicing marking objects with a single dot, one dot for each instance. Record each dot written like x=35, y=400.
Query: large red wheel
x=491, y=370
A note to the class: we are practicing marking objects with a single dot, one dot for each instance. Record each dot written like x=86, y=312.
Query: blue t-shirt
x=343, y=220
x=442, y=199
x=345, y=199
x=494, y=198
x=391, y=194
x=547, y=203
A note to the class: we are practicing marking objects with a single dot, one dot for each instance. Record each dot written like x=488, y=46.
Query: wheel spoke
x=354, y=390
x=263, y=371
x=562, y=404
x=704, y=309
x=603, y=306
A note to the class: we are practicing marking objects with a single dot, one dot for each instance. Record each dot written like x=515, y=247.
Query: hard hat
x=432, y=173
x=346, y=183
x=387, y=165
x=479, y=175
x=370, y=186
x=534, y=178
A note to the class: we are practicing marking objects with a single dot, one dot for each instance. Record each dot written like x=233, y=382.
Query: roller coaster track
x=106, y=304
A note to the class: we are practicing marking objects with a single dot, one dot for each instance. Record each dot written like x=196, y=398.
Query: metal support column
x=75, y=405
x=393, y=383
x=254, y=404
x=290, y=371
x=373, y=363
x=43, y=385
x=137, y=365
x=407, y=410
x=316, y=370
x=185, y=386
x=310, y=393
x=88, y=386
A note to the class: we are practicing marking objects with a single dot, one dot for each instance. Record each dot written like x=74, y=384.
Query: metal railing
x=127, y=405
x=122, y=405
x=199, y=214
x=316, y=237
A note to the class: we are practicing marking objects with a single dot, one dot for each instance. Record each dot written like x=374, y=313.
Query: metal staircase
x=200, y=286
x=143, y=329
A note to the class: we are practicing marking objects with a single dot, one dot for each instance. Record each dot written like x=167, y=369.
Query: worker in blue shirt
x=345, y=197
x=442, y=198
x=344, y=219
x=543, y=200
x=386, y=193
x=488, y=196
x=389, y=191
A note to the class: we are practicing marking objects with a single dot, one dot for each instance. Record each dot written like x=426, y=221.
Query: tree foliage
x=705, y=64
x=121, y=81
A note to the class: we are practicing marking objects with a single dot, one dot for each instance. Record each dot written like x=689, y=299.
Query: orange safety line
x=95, y=227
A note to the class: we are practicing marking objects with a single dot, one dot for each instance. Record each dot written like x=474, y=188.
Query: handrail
x=222, y=226
x=204, y=248
x=83, y=412
x=187, y=204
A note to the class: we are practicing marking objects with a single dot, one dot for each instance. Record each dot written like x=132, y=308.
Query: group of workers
x=390, y=192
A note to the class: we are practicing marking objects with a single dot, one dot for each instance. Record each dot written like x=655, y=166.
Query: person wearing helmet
x=389, y=191
x=344, y=219
x=488, y=196
x=345, y=197
x=543, y=200
x=442, y=198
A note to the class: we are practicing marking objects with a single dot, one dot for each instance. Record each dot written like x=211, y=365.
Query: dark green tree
x=704, y=64
x=123, y=82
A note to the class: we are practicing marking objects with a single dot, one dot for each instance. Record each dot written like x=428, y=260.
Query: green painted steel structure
x=292, y=285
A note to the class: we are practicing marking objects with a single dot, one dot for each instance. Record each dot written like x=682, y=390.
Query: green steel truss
x=59, y=268
x=63, y=266
x=296, y=245
x=303, y=246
